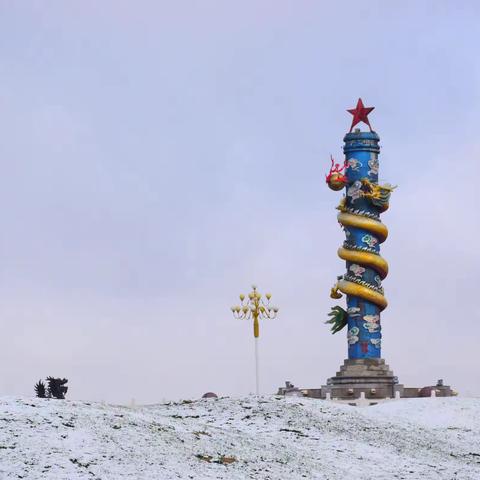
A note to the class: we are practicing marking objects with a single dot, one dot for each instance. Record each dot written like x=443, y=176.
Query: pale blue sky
x=159, y=157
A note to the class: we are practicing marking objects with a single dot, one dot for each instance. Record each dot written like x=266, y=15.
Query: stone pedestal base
x=368, y=375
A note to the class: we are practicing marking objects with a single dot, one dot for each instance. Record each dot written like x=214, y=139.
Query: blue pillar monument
x=359, y=209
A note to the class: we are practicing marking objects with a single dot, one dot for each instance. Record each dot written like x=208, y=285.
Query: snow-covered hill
x=261, y=438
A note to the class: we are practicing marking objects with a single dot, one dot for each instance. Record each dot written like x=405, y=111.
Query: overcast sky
x=160, y=157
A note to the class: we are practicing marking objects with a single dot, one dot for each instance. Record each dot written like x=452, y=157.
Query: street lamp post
x=256, y=308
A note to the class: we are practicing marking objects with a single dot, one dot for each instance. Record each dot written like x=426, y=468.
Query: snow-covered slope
x=261, y=438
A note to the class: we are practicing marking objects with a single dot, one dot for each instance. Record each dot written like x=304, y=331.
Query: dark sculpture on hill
x=40, y=390
x=56, y=388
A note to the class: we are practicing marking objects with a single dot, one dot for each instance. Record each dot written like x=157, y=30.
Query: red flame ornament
x=335, y=179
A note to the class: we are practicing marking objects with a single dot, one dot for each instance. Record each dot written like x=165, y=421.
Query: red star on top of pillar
x=360, y=114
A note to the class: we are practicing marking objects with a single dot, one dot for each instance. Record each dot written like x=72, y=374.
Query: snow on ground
x=252, y=437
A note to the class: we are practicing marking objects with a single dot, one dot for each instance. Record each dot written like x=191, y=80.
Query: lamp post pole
x=256, y=308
